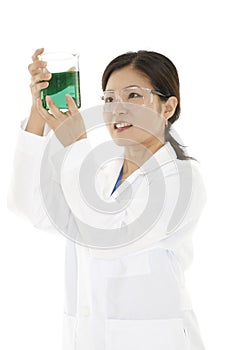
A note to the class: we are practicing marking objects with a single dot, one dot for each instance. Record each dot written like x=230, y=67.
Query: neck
x=136, y=155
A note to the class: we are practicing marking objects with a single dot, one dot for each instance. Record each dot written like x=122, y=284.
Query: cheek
x=149, y=120
x=158, y=105
x=141, y=134
x=150, y=125
x=107, y=117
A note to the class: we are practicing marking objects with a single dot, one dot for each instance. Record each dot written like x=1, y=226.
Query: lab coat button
x=85, y=311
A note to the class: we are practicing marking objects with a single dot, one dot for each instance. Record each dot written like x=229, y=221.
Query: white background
x=197, y=36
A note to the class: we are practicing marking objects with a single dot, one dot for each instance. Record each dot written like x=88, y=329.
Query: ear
x=170, y=107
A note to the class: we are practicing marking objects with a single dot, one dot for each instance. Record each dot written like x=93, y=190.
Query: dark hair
x=163, y=76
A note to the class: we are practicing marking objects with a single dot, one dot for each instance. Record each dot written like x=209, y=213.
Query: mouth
x=121, y=125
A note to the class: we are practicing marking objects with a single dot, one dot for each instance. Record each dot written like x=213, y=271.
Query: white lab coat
x=128, y=298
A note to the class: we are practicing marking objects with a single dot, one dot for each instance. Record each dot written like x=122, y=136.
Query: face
x=147, y=122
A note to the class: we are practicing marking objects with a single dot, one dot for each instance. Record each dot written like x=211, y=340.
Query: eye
x=108, y=99
x=134, y=95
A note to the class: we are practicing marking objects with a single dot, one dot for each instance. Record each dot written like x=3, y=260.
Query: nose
x=115, y=108
x=119, y=108
x=114, y=111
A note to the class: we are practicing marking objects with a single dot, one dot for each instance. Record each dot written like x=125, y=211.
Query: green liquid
x=61, y=84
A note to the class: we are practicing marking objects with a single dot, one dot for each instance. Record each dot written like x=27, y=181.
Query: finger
x=40, y=77
x=49, y=119
x=36, y=67
x=71, y=105
x=36, y=54
x=72, y=69
x=54, y=109
x=36, y=88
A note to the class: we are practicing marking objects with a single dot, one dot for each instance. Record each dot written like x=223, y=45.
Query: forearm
x=35, y=123
x=24, y=194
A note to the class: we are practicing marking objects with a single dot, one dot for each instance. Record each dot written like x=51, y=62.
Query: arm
x=24, y=195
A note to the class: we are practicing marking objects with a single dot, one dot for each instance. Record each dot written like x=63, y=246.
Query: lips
x=121, y=125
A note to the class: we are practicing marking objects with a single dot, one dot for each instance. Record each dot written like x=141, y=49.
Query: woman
x=124, y=263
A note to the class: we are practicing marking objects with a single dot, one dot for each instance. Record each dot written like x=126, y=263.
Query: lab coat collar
x=164, y=155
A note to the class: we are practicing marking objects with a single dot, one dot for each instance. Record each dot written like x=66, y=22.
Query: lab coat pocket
x=156, y=334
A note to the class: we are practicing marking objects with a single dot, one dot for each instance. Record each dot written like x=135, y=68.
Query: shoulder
x=185, y=192
x=192, y=187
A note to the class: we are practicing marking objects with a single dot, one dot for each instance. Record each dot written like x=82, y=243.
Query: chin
x=124, y=142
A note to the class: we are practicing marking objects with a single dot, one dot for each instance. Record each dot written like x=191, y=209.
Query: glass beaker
x=65, y=79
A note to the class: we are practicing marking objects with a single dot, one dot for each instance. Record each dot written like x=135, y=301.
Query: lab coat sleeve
x=24, y=192
x=25, y=197
x=55, y=203
x=180, y=238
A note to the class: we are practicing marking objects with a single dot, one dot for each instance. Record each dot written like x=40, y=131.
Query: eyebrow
x=134, y=85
